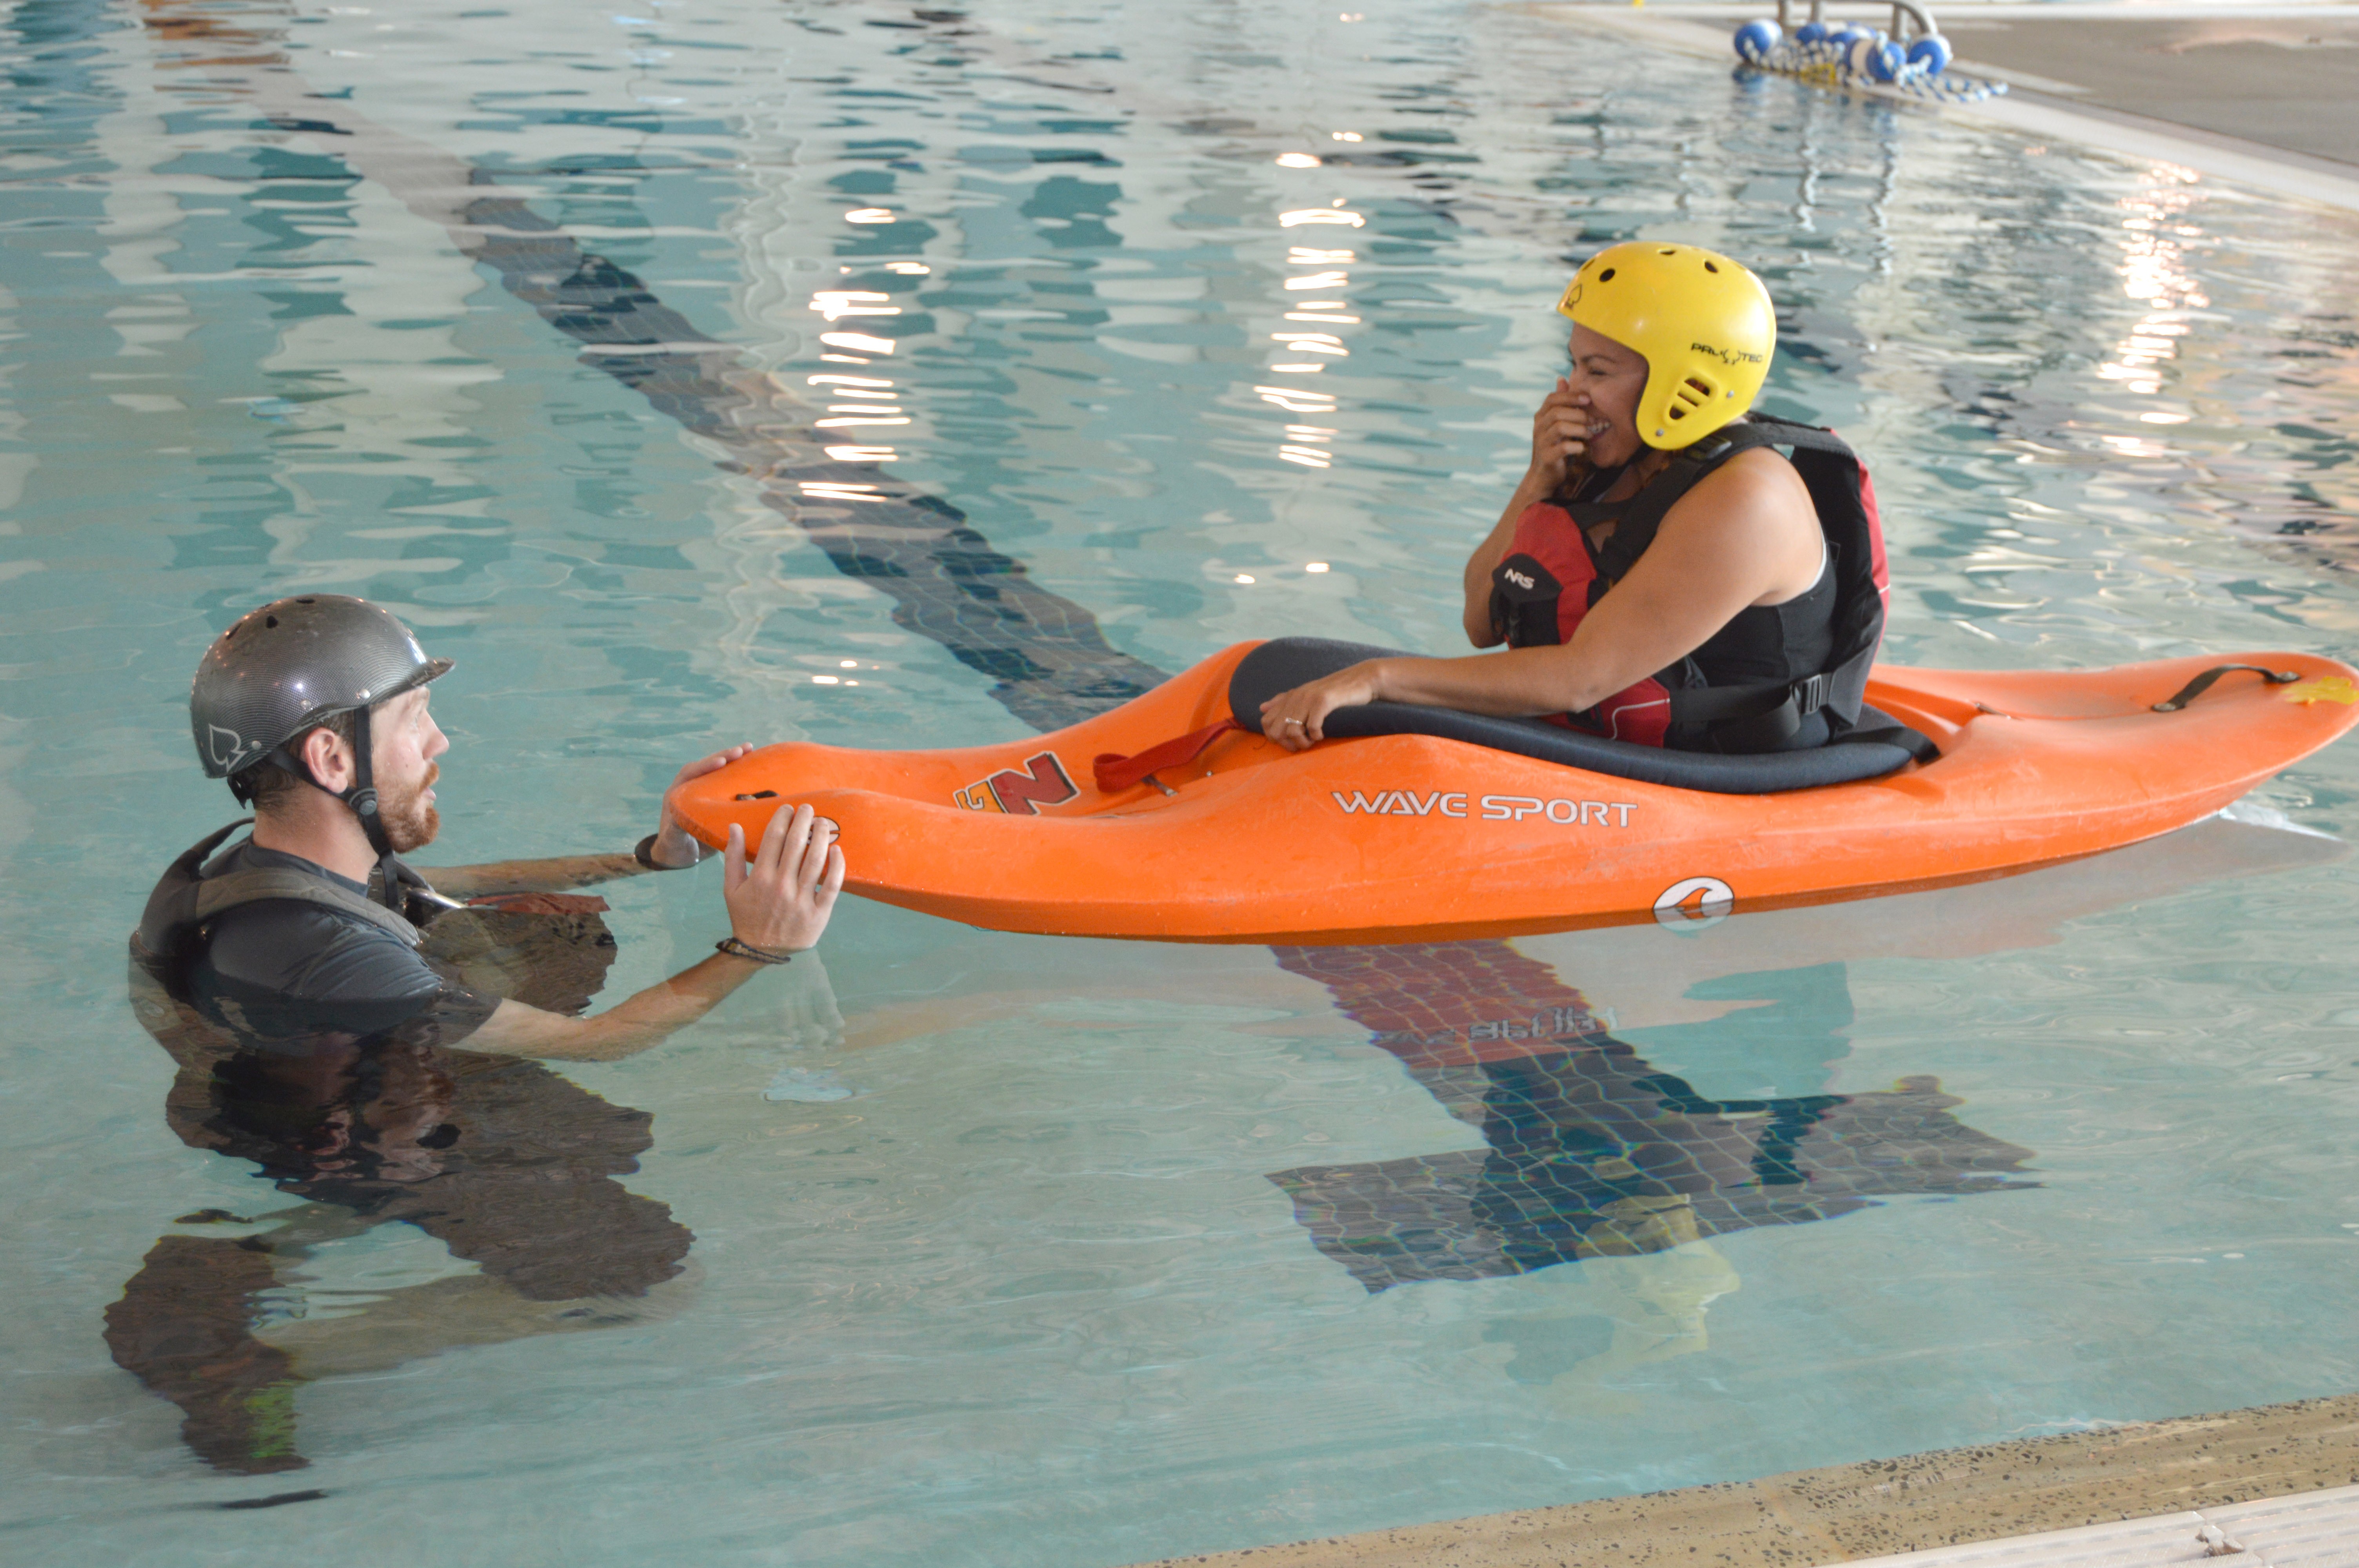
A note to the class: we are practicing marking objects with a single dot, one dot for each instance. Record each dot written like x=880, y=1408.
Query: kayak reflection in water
x=355, y=1031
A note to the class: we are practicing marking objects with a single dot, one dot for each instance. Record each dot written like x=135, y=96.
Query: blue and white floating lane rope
x=1848, y=55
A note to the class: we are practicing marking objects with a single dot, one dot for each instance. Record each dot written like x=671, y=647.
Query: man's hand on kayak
x=780, y=897
x=673, y=845
x=1296, y=720
x=780, y=900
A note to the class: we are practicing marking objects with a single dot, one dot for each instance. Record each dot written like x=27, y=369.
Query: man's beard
x=409, y=822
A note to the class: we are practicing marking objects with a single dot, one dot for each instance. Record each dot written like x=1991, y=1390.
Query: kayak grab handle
x=1114, y=772
x=2203, y=684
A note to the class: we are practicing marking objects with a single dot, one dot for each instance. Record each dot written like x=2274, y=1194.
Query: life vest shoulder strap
x=183, y=899
x=217, y=894
x=1637, y=520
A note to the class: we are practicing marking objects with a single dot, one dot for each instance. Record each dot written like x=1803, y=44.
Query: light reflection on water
x=1027, y=1288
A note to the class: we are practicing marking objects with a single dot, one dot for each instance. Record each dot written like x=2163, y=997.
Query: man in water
x=314, y=709
x=308, y=985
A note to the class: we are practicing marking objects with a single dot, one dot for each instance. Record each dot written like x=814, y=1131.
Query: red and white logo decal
x=1045, y=782
x=1695, y=903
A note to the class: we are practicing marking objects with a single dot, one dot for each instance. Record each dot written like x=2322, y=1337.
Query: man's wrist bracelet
x=736, y=949
x=644, y=852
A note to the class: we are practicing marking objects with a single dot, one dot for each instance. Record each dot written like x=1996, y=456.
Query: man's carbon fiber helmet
x=287, y=667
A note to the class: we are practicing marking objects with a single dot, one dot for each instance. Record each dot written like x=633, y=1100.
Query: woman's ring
x=1296, y=722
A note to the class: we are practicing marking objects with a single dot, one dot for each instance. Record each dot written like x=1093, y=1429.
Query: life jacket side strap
x=1764, y=716
x=1759, y=717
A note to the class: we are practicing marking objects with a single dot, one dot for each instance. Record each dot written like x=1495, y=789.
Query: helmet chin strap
x=362, y=798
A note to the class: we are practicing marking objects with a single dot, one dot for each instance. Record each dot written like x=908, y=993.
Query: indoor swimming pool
x=830, y=369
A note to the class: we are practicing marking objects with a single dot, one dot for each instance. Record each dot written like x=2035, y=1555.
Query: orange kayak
x=1424, y=836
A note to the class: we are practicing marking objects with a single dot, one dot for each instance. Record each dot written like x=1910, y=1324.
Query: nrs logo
x=1045, y=782
x=1519, y=578
x=1493, y=807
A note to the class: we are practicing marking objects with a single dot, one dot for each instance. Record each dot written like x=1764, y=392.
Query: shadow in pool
x=1592, y=1151
x=512, y=1167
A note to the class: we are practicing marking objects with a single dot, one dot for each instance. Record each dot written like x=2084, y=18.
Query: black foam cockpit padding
x=1287, y=662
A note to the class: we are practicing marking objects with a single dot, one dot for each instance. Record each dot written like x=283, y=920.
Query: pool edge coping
x=1917, y=1502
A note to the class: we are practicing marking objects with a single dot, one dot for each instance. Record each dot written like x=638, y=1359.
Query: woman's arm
x=1560, y=438
x=1485, y=560
x=1746, y=534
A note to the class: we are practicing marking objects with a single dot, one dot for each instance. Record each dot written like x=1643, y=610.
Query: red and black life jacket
x=1553, y=574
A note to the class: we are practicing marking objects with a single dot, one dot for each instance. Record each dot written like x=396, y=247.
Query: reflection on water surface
x=512, y=320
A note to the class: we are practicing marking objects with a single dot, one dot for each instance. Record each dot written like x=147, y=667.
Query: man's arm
x=672, y=850
x=780, y=901
x=555, y=875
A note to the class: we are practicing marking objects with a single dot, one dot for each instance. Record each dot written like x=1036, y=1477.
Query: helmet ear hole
x=1690, y=395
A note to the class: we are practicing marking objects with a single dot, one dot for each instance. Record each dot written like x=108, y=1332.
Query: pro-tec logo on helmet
x=1727, y=356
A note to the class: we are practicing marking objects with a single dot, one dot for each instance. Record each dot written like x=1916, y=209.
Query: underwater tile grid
x=890, y=376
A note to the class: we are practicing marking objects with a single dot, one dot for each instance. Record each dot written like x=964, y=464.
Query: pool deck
x=2264, y=94
x=2279, y=1481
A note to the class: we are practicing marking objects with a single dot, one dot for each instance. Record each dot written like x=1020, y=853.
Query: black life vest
x=185, y=903
x=1553, y=574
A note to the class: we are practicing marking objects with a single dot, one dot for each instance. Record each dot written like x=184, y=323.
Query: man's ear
x=330, y=757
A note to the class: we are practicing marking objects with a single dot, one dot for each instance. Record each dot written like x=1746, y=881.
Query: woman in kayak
x=1662, y=575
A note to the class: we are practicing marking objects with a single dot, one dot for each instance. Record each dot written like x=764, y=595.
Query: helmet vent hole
x=1605, y=277
x=1712, y=266
x=1667, y=251
x=1690, y=395
x=271, y=621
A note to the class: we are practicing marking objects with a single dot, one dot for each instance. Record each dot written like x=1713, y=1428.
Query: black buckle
x=1812, y=694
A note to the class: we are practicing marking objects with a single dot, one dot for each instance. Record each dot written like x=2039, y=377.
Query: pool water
x=956, y=1246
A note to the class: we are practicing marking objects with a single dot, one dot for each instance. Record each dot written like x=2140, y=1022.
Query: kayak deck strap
x=1287, y=662
x=2203, y=684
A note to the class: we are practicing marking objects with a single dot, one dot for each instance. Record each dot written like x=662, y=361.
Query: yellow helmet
x=1703, y=323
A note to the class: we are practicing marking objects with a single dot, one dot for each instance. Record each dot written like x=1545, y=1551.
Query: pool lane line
x=1047, y=658
x=2275, y=1478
